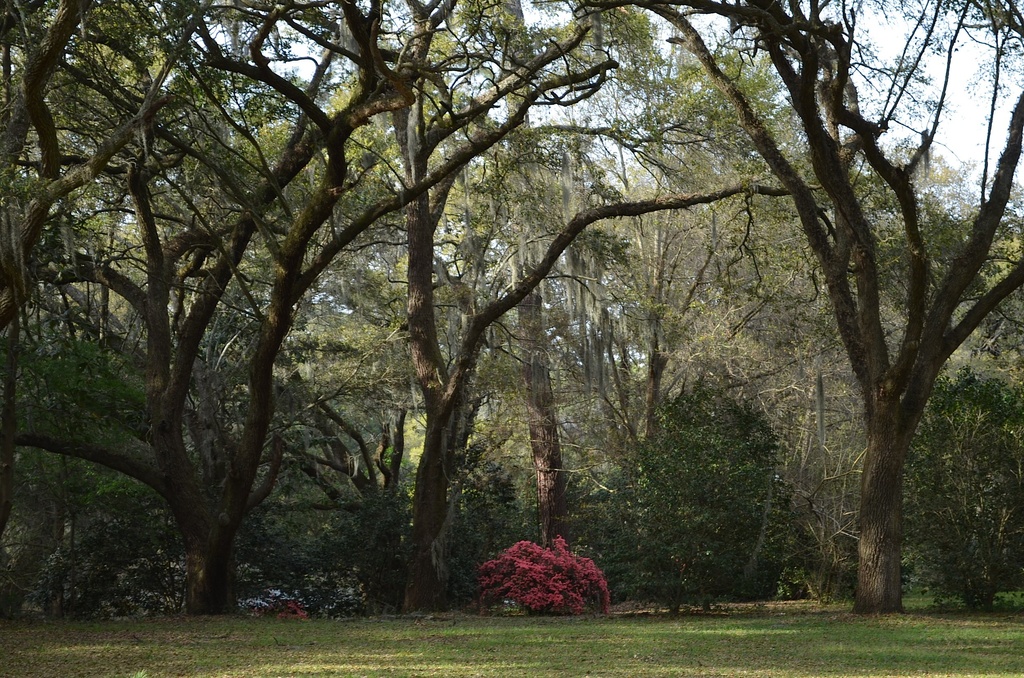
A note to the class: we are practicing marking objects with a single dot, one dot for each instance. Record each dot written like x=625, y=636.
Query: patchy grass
x=777, y=641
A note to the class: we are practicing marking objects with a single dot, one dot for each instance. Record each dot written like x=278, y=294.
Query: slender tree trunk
x=397, y=450
x=656, y=364
x=8, y=423
x=879, y=585
x=552, y=505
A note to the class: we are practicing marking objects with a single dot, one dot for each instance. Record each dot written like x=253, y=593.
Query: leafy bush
x=713, y=514
x=339, y=563
x=489, y=516
x=123, y=557
x=965, y=488
x=605, y=529
x=548, y=581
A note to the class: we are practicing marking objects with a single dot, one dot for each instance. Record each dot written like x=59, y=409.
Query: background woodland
x=337, y=300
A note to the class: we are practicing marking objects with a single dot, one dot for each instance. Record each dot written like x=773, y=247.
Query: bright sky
x=961, y=135
x=962, y=132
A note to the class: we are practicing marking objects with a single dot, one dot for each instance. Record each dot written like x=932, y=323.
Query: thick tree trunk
x=428, y=575
x=879, y=584
x=552, y=506
x=551, y=486
x=434, y=504
x=208, y=542
x=209, y=576
x=208, y=564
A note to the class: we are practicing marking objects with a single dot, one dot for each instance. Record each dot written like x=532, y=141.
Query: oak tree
x=850, y=108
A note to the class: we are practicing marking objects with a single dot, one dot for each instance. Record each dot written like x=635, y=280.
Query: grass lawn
x=777, y=641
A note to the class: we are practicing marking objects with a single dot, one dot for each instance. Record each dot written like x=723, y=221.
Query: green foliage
x=79, y=390
x=379, y=546
x=605, y=530
x=965, y=490
x=121, y=557
x=712, y=512
x=490, y=516
x=338, y=563
x=701, y=516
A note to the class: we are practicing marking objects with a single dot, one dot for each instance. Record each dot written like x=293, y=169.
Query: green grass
x=778, y=641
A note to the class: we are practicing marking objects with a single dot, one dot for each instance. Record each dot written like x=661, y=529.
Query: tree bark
x=397, y=451
x=657, y=361
x=552, y=506
x=880, y=548
x=428, y=574
x=427, y=589
x=8, y=422
x=209, y=575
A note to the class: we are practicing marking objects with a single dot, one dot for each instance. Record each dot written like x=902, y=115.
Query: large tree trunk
x=552, y=506
x=428, y=573
x=427, y=586
x=209, y=575
x=205, y=591
x=434, y=503
x=879, y=585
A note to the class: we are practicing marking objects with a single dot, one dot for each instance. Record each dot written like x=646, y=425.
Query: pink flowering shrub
x=548, y=581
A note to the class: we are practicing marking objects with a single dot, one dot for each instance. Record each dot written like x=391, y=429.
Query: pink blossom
x=550, y=581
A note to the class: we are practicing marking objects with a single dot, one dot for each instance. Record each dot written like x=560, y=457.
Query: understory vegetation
x=701, y=515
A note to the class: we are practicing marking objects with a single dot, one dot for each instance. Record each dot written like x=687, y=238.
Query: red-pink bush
x=551, y=581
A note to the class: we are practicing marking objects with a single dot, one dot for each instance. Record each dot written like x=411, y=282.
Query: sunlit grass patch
x=780, y=642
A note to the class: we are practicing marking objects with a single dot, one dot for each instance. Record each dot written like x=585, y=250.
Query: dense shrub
x=122, y=558
x=489, y=516
x=376, y=544
x=965, y=491
x=540, y=580
x=605, y=529
x=713, y=515
x=336, y=563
